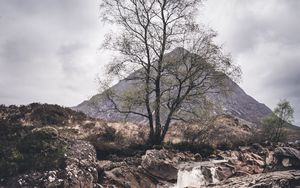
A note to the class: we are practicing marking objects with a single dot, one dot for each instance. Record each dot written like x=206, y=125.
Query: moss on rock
x=23, y=149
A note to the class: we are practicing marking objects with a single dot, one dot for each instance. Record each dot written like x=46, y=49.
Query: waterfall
x=192, y=178
x=196, y=175
x=214, y=175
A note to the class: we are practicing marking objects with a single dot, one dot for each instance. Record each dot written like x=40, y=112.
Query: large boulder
x=77, y=168
x=288, y=156
x=124, y=175
x=253, y=159
x=243, y=162
x=24, y=149
x=279, y=179
x=159, y=164
x=289, y=152
x=127, y=173
x=224, y=172
x=81, y=165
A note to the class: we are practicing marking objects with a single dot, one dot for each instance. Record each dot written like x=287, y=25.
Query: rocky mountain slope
x=236, y=103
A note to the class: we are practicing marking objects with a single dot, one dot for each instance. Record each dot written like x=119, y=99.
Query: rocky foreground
x=253, y=166
x=44, y=146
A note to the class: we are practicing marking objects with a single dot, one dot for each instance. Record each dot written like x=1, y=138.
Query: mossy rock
x=42, y=150
x=22, y=149
x=45, y=132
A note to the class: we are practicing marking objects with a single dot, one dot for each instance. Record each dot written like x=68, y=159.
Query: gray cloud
x=49, y=49
x=68, y=55
x=263, y=37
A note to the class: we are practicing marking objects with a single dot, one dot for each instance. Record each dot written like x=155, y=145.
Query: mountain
x=236, y=103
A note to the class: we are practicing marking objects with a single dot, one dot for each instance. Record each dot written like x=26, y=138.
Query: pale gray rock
x=159, y=164
x=279, y=179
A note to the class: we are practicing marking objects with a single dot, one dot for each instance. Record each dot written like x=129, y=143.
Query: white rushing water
x=214, y=175
x=193, y=178
x=191, y=175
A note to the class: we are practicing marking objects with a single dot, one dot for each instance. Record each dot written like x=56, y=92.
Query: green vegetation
x=274, y=125
x=24, y=148
x=41, y=114
x=110, y=142
x=205, y=150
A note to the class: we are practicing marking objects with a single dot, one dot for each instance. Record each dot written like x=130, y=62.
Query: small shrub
x=49, y=115
x=9, y=159
x=113, y=143
x=106, y=150
x=109, y=134
x=224, y=146
x=45, y=133
x=205, y=150
x=88, y=126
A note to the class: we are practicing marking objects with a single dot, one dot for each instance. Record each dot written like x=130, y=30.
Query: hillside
x=37, y=114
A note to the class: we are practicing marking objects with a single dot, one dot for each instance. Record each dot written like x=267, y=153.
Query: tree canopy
x=165, y=85
x=274, y=124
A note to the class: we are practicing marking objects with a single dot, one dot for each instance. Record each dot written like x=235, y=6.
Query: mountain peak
x=236, y=103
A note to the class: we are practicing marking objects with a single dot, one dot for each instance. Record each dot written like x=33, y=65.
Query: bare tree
x=166, y=86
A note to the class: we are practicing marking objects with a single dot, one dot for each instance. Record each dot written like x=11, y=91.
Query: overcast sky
x=49, y=50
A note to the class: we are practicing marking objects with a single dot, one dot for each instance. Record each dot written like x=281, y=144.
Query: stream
x=197, y=174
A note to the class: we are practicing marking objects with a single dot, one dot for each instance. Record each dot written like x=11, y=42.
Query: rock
x=224, y=172
x=270, y=159
x=247, y=169
x=208, y=176
x=253, y=158
x=288, y=156
x=260, y=149
x=279, y=179
x=159, y=164
x=241, y=173
x=81, y=164
x=79, y=170
x=109, y=165
x=286, y=162
x=156, y=168
x=128, y=176
x=244, y=148
x=244, y=162
x=198, y=157
x=287, y=152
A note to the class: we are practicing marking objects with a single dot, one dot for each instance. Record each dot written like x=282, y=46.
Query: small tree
x=273, y=125
x=163, y=87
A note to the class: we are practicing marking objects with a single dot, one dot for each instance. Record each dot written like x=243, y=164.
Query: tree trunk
x=155, y=140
